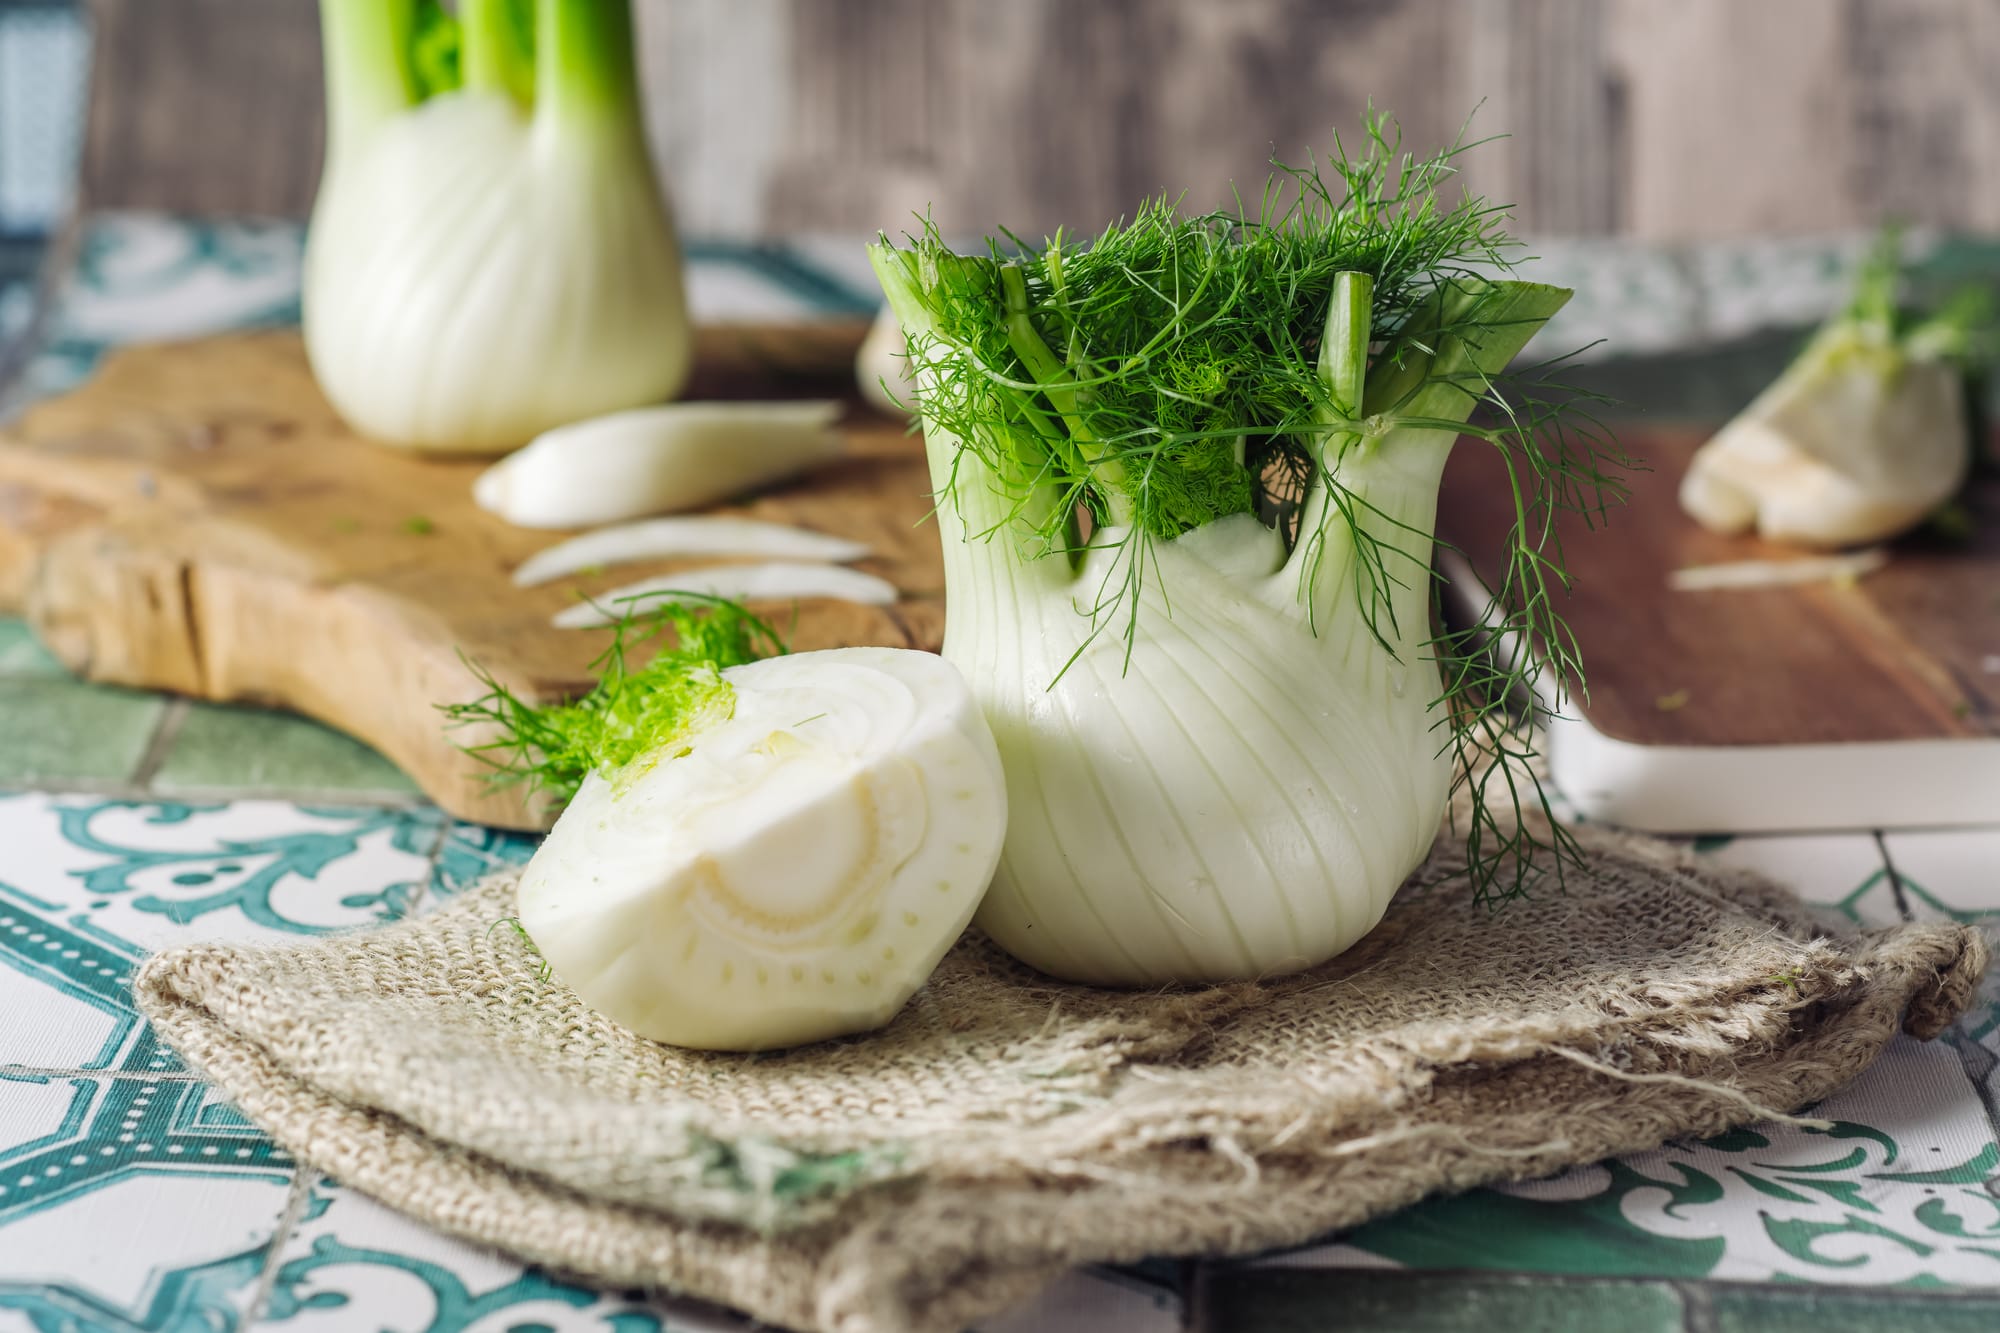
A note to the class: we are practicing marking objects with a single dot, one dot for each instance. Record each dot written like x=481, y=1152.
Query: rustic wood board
x=196, y=519
x=1903, y=654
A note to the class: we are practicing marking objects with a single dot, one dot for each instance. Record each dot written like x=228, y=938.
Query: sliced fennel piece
x=683, y=538
x=1856, y=447
x=497, y=258
x=774, y=580
x=792, y=873
x=657, y=460
x=1778, y=573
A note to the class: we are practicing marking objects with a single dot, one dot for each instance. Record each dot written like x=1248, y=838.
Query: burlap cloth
x=1007, y=1126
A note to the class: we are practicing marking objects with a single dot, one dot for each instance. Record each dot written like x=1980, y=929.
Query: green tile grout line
x=172, y=717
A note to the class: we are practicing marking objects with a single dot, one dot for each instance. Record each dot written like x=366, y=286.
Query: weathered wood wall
x=1666, y=119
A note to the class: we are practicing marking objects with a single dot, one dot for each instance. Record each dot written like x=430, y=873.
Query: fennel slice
x=680, y=538
x=656, y=460
x=775, y=580
x=1742, y=574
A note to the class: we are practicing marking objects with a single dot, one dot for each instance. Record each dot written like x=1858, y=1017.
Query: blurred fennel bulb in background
x=1865, y=434
x=490, y=254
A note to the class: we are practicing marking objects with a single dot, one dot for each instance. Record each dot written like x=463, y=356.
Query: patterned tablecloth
x=133, y=1197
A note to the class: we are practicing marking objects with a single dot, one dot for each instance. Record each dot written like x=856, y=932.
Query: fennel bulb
x=758, y=851
x=489, y=255
x=1226, y=744
x=654, y=460
x=1860, y=438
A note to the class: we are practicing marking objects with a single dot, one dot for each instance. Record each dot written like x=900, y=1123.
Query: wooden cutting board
x=195, y=518
x=1870, y=704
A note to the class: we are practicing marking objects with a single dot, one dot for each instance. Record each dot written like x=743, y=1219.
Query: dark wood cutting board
x=195, y=518
x=1868, y=703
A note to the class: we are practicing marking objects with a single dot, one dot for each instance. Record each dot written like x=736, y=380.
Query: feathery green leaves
x=634, y=712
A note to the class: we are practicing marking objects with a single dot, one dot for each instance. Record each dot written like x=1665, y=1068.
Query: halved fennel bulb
x=1856, y=442
x=1863, y=435
x=789, y=874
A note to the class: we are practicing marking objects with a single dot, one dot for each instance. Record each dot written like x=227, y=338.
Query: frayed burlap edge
x=926, y=1256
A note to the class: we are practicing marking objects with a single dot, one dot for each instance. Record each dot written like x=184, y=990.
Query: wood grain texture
x=1669, y=121
x=196, y=519
x=209, y=107
x=1902, y=654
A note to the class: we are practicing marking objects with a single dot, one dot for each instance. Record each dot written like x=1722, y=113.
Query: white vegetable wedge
x=770, y=581
x=683, y=538
x=656, y=460
x=1861, y=437
x=1836, y=460
x=791, y=874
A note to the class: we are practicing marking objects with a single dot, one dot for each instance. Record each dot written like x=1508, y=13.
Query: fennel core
x=1187, y=480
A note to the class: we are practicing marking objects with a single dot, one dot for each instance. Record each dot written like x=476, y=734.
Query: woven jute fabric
x=1007, y=1126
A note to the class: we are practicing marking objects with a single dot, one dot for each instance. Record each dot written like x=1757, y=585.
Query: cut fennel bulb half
x=657, y=460
x=1862, y=436
x=789, y=873
x=493, y=257
x=1855, y=443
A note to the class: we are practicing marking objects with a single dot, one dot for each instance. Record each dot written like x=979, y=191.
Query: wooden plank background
x=1659, y=119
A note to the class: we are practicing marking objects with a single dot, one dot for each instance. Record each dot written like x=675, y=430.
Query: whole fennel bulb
x=1224, y=752
x=489, y=254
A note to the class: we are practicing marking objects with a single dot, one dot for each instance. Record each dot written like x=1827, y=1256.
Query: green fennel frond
x=544, y=970
x=1962, y=327
x=634, y=711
